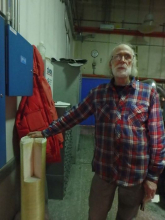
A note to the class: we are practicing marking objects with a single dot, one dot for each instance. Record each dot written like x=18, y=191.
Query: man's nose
x=123, y=58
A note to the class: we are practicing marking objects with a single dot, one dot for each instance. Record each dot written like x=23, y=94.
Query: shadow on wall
x=69, y=71
x=162, y=65
x=16, y=145
x=9, y=190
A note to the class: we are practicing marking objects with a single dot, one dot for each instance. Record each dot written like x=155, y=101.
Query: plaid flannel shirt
x=129, y=132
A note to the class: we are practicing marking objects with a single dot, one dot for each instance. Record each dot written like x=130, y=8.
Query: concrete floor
x=74, y=206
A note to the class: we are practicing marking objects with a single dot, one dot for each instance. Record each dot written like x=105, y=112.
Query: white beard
x=121, y=72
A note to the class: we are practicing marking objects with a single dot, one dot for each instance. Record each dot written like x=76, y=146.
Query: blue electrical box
x=19, y=60
x=2, y=95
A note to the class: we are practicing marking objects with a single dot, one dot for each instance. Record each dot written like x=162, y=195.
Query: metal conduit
x=75, y=14
x=18, y=15
x=15, y=15
x=2, y=7
x=12, y=14
x=70, y=17
x=7, y=12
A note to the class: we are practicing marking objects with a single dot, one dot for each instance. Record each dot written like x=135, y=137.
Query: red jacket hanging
x=36, y=112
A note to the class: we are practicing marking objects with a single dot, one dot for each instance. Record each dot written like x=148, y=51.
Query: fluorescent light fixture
x=106, y=27
x=148, y=25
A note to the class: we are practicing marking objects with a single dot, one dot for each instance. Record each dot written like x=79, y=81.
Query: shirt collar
x=133, y=83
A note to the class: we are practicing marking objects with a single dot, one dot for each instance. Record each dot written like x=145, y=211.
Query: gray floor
x=74, y=206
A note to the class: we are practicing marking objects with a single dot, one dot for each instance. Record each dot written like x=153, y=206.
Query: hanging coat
x=36, y=112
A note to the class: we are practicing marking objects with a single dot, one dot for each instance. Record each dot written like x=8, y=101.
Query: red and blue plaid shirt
x=129, y=132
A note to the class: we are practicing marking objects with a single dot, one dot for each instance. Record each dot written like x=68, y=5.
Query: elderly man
x=129, y=138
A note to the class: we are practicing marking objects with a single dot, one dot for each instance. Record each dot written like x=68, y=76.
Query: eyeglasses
x=118, y=57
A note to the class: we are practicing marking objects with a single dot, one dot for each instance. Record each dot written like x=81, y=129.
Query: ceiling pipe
x=120, y=31
x=74, y=6
x=77, y=35
x=109, y=22
x=107, y=11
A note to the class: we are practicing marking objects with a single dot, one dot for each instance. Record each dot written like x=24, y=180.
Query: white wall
x=40, y=20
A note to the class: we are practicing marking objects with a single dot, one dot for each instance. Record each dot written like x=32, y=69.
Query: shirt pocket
x=137, y=115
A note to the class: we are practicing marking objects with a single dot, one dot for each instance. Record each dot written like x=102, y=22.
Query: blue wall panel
x=2, y=95
x=87, y=85
x=19, y=64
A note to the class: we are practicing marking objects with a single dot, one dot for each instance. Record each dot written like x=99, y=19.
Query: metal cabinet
x=19, y=60
x=2, y=94
x=57, y=174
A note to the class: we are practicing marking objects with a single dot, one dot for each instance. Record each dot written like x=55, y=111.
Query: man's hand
x=35, y=134
x=150, y=190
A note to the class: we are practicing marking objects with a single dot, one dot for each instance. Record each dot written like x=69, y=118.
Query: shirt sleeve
x=156, y=139
x=76, y=115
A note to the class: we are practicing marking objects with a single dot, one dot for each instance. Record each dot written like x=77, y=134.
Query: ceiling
x=92, y=11
x=121, y=15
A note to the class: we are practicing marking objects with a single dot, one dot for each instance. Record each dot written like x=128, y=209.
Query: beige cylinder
x=33, y=156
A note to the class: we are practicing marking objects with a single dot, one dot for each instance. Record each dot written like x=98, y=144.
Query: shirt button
x=117, y=135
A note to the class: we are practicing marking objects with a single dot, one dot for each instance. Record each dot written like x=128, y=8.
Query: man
x=129, y=138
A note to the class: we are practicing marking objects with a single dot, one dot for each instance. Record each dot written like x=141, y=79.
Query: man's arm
x=150, y=190
x=156, y=146
x=76, y=115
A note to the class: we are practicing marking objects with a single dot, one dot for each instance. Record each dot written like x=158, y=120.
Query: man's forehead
x=123, y=49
